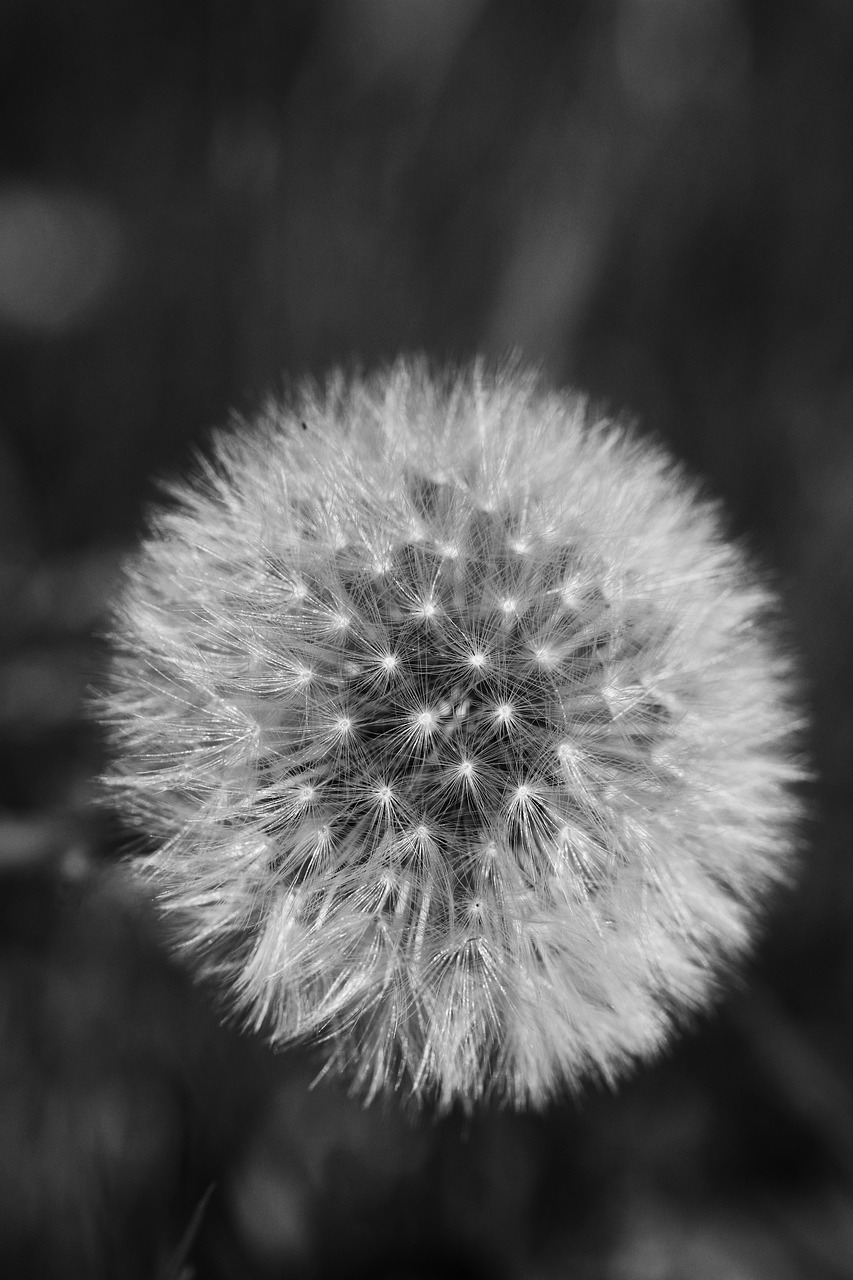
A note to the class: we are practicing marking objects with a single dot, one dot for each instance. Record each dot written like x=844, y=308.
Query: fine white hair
x=460, y=733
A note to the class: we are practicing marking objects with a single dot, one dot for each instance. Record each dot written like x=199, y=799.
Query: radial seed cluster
x=456, y=731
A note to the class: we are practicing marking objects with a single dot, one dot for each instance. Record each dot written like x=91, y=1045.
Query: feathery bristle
x=461, y=729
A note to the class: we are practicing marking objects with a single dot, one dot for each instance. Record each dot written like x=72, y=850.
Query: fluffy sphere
x=457, y=731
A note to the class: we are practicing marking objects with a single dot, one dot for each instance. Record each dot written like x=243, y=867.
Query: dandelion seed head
x=460, y=731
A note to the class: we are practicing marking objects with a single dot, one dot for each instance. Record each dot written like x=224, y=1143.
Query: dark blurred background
x=200, y=201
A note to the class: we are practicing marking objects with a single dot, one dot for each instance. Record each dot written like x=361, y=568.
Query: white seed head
x=460, y=732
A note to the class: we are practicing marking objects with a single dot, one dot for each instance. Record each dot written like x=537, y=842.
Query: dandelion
x=458, y=732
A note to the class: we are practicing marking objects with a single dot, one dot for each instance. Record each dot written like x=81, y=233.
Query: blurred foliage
x=199, y=202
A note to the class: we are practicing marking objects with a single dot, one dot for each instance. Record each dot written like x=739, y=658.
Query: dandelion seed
x=385, y=799
x=545, y=657
x=461, y=733
x=503, y=715
x=339, y=622
x=422, y=727
x=426, y=609
x=303, y=797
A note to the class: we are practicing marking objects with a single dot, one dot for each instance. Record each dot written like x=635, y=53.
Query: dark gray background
x=201, y=201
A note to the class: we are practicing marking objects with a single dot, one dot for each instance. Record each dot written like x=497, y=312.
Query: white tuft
x=460, y=730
